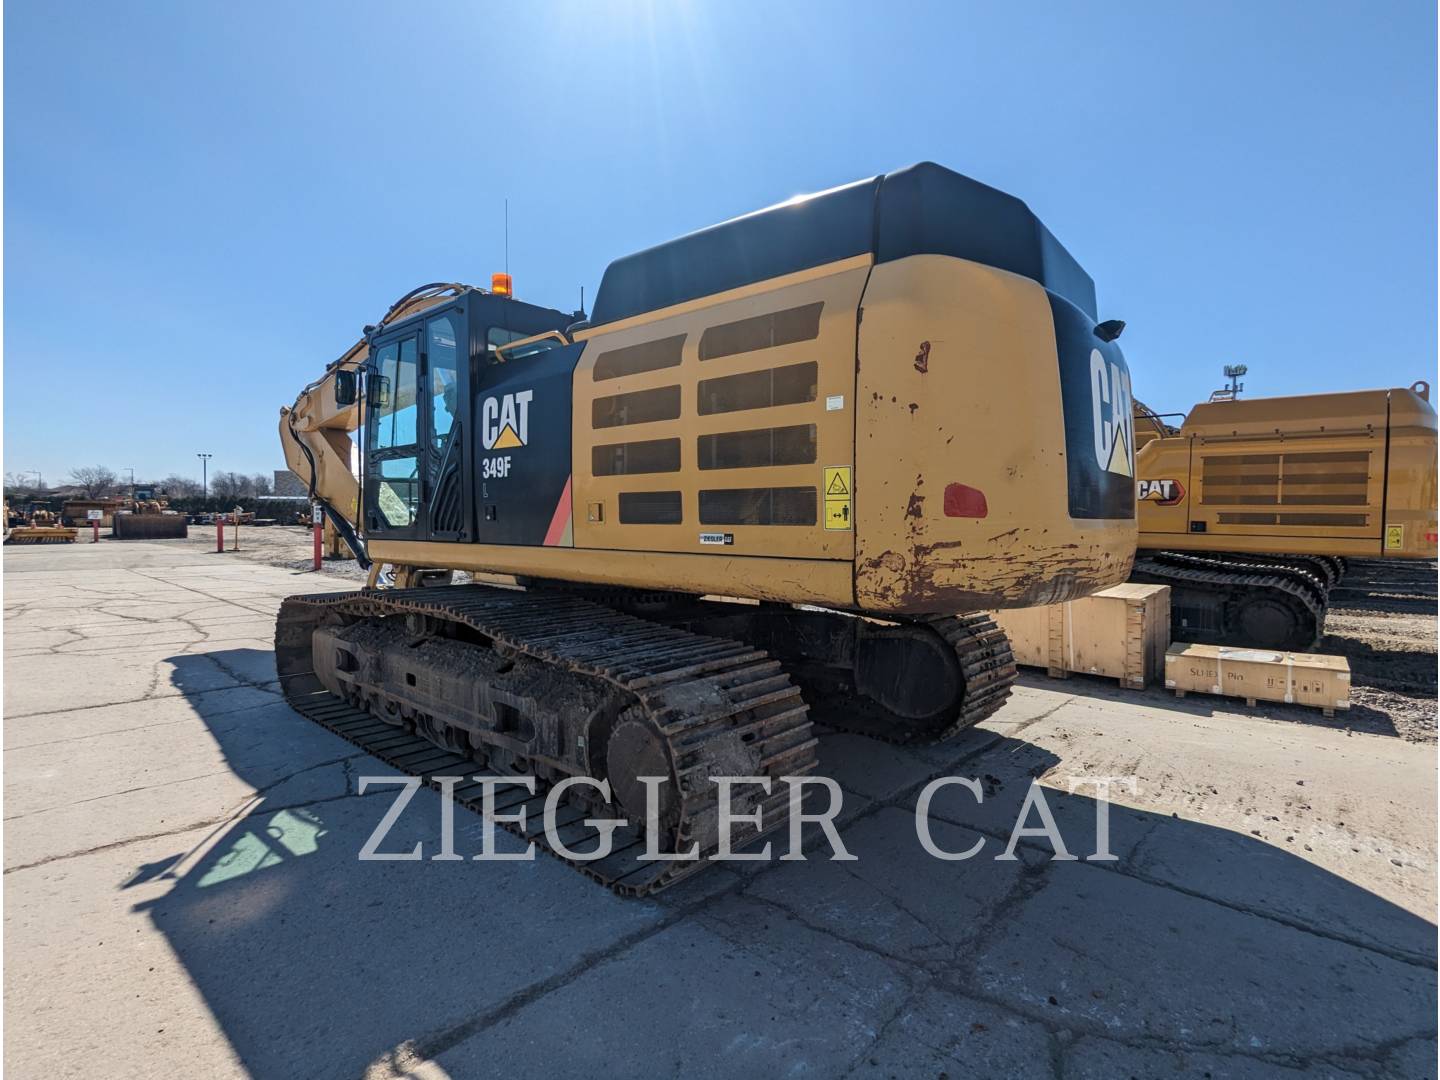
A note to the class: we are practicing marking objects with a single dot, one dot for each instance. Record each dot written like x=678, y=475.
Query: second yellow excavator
x=1249, y=509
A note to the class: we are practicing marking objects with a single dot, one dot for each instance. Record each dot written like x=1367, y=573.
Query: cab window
x=498, y=335
x=443, y=379
x=395, y=444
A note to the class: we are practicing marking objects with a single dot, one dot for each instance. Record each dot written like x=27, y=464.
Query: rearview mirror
x=347, y=387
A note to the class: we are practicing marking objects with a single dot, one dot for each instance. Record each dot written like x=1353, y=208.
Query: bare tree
x=230, y=487
x=179, y=487
x=261, y=484
x=19, y=485
x=94, y=480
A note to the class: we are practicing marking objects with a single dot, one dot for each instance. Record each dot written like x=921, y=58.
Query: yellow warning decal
x=1394, y=537
x=837, y=497
x=508, y=439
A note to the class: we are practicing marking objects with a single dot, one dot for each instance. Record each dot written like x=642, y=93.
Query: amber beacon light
x=501, y=285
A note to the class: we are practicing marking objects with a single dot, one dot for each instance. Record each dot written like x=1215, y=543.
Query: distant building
x=290, y=486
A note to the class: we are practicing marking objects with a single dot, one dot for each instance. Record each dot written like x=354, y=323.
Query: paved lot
x=182, y=894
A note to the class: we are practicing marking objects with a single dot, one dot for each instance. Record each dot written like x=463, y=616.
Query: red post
x=95, y=537
x=219, y=534
x=319, y=534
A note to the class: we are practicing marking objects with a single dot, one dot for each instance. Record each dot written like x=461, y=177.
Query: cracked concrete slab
x=305, y=960
x=942, y=1034
x=1203, y=862
x=1095, y=1059
x=739, y=990
x=76, y=947
x=1096, y=950
x=36, y=684
x=76, y=795
x=894, y=899
x=65, y=726
x=878, y=770
x=1414, y=1059
x=258, y=944
x=1360, y=806
x=355, y=940
x=1005, y=777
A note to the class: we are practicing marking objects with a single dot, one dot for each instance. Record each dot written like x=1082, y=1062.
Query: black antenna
x=507, y=237
x=582, y=301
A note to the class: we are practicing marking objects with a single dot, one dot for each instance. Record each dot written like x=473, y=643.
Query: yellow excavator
x=777, y=474
x=1249, y=508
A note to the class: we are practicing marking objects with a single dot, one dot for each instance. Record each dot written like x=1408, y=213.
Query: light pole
x=1233, y=373
x=204, y=481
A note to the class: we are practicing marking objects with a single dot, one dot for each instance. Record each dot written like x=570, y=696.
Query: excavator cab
x=427, y=379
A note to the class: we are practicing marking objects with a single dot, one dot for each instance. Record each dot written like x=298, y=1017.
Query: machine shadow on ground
x=317, y=964
x=1359, y=718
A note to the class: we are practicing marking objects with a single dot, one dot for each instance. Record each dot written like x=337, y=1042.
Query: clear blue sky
x=204, y=202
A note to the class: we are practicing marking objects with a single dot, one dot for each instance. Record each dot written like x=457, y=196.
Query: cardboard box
x=1259, y=675
x=1120, y=632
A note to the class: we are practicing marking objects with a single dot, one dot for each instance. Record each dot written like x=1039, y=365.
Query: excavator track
x=907, y=680
x=987, y=665
x=1305, y=579
x=1323, y=570
x=694, y=706
x=1230, y=600
x=986, y=658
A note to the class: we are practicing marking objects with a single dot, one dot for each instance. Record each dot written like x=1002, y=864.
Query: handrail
x=502, y=352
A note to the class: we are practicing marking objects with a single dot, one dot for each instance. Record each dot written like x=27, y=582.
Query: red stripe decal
x=561, y=517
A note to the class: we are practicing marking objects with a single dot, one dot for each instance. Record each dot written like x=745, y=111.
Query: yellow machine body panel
x=1348, y=474
x=958, y=400
x=757, y=394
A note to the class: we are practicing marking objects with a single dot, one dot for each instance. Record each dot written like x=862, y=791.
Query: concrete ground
x=183, y=897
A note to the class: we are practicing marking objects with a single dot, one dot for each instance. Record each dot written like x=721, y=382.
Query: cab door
x=415, y=467
x=393, y=441
x=444, y=380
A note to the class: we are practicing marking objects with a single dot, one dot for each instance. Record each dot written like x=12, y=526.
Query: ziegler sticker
x=717, y=538
x=1160, y=492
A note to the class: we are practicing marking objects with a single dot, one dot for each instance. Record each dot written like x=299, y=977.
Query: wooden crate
x=1259, y=675
x=1029, y=632
x=1120, y=633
